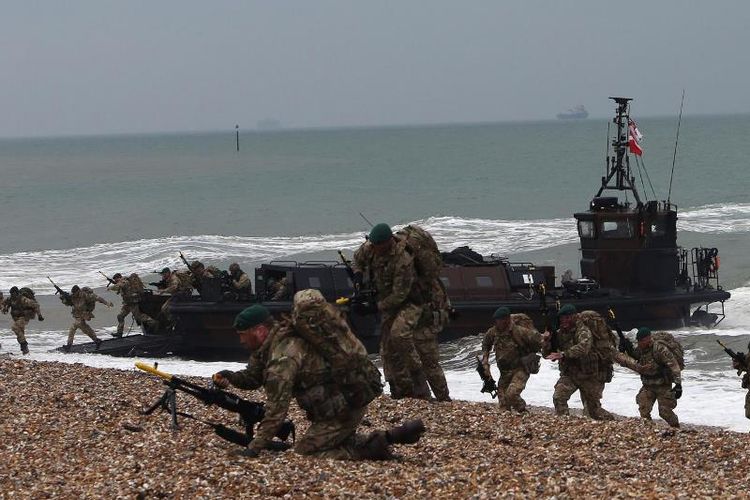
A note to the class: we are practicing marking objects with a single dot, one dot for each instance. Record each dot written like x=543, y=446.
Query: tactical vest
x=326, y=329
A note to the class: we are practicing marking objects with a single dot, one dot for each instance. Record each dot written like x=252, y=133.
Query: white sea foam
x=504, y=237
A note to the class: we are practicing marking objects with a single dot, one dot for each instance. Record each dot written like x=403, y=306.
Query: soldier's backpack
x=427, y=258
x=327, y=330
x=522, y=320
x=532, y=361
x=27, y=292
x=135, y=289
x=89, y=299
x=668, y=340
x=605, y=341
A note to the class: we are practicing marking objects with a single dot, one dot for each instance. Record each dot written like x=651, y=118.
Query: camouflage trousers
x=509, y=389
x=591, y=390
x=139, y=316
x=337, y=438
x=662, y=393
x=426, y=343
x=19, y=328
x=80, y=324
x=402, y=365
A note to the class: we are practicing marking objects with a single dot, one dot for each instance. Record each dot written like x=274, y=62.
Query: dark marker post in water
x=237, y=131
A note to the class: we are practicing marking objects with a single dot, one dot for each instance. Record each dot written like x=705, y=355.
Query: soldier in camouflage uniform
x=22, y=310
x=288, y=366
x=391, y=266
x=131, y=291
x=659, y=369
x=240, y=282
x=572, y=347
x=179, y=284
x=515, y=350
x=199, y=272
x=82, y=300
x=744, y=366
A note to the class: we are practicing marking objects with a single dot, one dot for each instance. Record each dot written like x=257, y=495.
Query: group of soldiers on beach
x=314, y=357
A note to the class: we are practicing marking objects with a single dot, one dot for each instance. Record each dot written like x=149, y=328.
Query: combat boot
x=375, y=447
x=98, y=342
x=407, y=433
x=25, y=347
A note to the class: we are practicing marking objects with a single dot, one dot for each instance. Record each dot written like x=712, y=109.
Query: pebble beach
x=68, y=430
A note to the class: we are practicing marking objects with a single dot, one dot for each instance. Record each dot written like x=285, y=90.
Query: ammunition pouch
x=322, y=402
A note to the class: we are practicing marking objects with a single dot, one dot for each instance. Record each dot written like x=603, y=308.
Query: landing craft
x=630, y=262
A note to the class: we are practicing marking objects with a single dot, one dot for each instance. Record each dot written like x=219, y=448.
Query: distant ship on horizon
x=576, y=113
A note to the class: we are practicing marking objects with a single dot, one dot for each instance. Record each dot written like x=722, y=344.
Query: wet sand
x=75, y=431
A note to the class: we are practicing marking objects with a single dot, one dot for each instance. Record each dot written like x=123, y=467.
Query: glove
x=677, y=391
x=40, y=317
x=221, y=379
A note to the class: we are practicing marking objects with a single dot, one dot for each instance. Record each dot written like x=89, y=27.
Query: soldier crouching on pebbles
x=315, y=358
x=515, y=353
x=82, y=301
x=23, y=307
x=659, y=365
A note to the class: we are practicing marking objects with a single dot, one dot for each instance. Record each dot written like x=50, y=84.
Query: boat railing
x=705, y=268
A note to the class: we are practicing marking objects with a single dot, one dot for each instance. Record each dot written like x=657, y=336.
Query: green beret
x=501, y=312
x=250, y=317
x=567, y=310
x=643, y=332
x=380, y=233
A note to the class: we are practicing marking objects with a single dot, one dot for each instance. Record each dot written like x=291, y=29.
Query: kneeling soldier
x=659, y=368
x=515, y=353
x=315, y=358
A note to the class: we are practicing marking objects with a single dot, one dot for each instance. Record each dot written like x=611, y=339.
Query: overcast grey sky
x=101, y=66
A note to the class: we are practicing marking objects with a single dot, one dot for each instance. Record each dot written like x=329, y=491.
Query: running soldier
x=131, y=290
x=23, y=307
x=332, y=380
x=658, y=359
x=390, y=265
x=573, y=347
x=179, y=284
x=82, y=301
x=516, y=349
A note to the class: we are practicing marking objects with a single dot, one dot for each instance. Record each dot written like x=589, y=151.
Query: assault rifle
x=63, y=294
x=250, y=412
x=625, y=344
x=183, y=259
x=739, y=357
x=489, y=386
x=364, y=300
x=111, y=281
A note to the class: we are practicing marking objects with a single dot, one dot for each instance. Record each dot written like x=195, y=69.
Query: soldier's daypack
x=326, y=329
x=668, y=340
x=427, y=258
x=605, y=341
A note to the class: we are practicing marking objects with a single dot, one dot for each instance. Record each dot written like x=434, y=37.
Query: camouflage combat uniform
x=746, y=382
x=401, y=307
x=578, y=370
x=434, y=318
x=241, y=284
x=22, y=310
x=659, y=369
x=510, y=346
x=131, y=295
x=179, y=284
x=288, y=366
x=83, y=303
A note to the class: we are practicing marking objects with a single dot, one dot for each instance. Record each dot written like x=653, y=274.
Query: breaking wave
x=503, y=237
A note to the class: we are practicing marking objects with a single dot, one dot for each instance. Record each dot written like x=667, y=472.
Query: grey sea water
x=75, y=205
